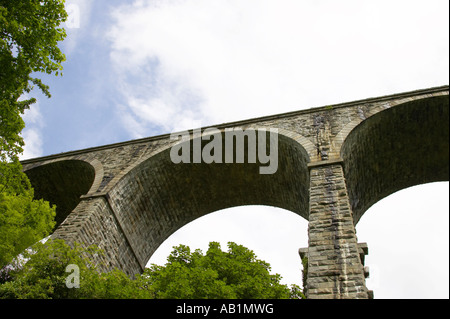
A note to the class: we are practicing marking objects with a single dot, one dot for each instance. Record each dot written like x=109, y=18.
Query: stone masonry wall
x=94, y=223
x=332, y=160
x=334, y=266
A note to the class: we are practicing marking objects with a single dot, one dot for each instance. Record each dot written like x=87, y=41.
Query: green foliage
x=236, y=273
x=296, y=292
x=110, y=285
x=23, y=222
x=29, y=34
x=305, y=273
x=44, y=275
x=12, y=179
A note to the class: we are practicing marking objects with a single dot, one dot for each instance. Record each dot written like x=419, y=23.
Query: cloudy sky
x=142, y=68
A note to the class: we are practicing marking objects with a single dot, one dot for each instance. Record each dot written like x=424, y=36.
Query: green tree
x=305, y=273
x=236, y=273
x=23, y=221
x=40, y=273
x=29, y=34
x=45, y=275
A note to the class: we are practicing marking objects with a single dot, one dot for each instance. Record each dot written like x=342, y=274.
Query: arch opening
x=62, y=183
x=408, y=236
x=274, y=234
x=158, y=197
x=400, y=147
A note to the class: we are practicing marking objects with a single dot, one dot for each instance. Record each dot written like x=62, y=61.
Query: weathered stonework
x=334, y=162
x=334, y=266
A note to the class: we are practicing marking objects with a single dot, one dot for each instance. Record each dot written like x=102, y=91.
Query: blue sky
x=143, y=68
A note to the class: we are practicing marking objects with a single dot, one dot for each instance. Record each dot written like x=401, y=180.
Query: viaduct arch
x=400, y=147
x=334, y=162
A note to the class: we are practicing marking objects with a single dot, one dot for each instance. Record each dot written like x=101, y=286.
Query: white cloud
x=79, y=15
x=184, y=62
x=31, y=134
x=248, y=58
x=33, y=144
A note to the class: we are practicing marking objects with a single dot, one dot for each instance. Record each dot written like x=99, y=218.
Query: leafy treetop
x=29, y=34
x=236, y=273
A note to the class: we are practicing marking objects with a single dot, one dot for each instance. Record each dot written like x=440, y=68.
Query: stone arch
x=309, y=147
x=403, y=146
x=63, y=182
x=157, y=197
x=306, y=144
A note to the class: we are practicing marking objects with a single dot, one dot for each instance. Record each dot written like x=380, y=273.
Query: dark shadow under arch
x=158, y=197
x=402, y=146
x=62, y=183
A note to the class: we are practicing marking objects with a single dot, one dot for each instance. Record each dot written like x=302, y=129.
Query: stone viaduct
x=334, y=162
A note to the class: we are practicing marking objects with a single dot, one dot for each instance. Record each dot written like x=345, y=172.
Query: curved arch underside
x=62, y=183
x=158, y=197
x=397, y=148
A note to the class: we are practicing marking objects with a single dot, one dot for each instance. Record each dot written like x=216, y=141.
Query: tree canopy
x=234, y=274
x=45, y=275
x=29, y=36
